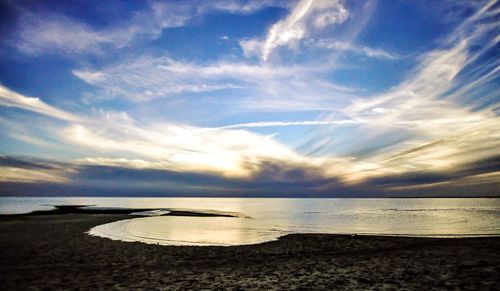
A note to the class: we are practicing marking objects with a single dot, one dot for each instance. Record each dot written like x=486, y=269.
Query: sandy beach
x=52, y=252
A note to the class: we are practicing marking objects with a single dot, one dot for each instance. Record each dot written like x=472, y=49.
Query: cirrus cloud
x=306, y=16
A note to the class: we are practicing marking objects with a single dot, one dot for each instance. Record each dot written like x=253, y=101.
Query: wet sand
x=52, y=252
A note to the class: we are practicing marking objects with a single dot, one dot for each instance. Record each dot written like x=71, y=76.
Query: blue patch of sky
x=370, y=75
x=47, y=77
x=402, y=27
x=204, y=39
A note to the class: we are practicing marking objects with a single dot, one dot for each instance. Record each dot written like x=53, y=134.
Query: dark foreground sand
x=52, y=252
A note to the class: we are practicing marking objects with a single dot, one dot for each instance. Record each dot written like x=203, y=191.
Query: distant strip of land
x=91, y=209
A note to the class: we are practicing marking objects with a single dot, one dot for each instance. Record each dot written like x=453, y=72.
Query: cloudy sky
x=250, y=98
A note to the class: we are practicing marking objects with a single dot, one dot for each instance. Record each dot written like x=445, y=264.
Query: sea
x=266, y=219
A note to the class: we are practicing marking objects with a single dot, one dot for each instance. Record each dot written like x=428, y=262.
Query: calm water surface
x=270, y=218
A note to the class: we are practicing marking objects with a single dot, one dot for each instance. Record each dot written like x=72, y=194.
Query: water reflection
x=222, y=231
x=274, y=217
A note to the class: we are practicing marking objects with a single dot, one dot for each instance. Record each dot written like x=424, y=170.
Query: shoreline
x=54, y=251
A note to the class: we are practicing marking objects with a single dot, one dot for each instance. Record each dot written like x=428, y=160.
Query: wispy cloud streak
x=19, y=171
x=51, y=33
x=307, y=15
x=343, y=46
x=171, y=146
x=417, y=133
x=432, y=129
x=150, y=77
x=12, y=99
x=289, y=123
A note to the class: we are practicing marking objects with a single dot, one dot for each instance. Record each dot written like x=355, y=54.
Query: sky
x=308, y=98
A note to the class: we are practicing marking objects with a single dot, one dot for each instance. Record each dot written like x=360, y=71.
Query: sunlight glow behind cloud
x=306, y=100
